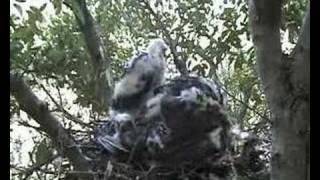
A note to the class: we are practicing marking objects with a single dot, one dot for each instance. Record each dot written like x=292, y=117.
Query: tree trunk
x=286, y=83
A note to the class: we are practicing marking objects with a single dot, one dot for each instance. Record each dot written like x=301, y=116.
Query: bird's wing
x=111, y=143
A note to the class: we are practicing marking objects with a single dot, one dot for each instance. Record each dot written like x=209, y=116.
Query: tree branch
x=264, y=19
x=65, y=112
x=304, y=38
x=26, y=124
x=243, y=108
x=38, y=110
x=221, y=85
x=180, y=64
x=301, y=54
x=103, y=83
x=29, y=171
x=301, y=81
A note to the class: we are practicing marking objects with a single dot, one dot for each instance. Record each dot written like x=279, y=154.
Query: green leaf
x=43, y=6
x=57, y=4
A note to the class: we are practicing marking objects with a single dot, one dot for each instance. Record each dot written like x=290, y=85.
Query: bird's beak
x=165, y=49
x=127, y=70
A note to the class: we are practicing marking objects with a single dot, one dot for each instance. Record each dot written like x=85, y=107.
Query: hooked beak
x=127, y=68
x=164, y=49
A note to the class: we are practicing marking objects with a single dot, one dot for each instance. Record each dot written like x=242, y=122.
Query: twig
x=179, y=63
x=69, y=116
x=221, y=85
x=39, y=111
x=29, y=171
x=26, y=124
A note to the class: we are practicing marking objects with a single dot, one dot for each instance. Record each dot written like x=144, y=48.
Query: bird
x=184, y=122
x=108, y=135
x=143, y=73
x=185, y=104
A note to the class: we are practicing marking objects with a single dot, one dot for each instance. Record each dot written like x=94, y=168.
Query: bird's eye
x=127, y=66
x=164, y=51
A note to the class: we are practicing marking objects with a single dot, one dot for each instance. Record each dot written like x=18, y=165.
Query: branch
x=264, y=19
x=243, y=108
x=304, y=38
x=65, y=112
x=28, y=172
x=26, y=124
x=247, y=106
x=102, y=79
x=38, y=110
x=181, y=66
x=301, y=78
x=221, y=85
x=301, y=54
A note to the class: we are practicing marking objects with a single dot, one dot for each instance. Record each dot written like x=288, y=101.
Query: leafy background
x=48, y=48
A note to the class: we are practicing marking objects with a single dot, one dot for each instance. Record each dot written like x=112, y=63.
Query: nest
x=194, y=136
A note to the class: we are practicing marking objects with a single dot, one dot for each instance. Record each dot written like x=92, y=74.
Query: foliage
x=211, y=37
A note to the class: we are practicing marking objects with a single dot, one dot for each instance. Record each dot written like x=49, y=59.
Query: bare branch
x=264, y=19
x=221, y=85
x=29, y=171
x=304, y=39
x=38, y=110
x=243, y=108
x=301, y=55
x=102, y=79
x=301, y=81
x=68, y=115
x=247, y=106
x=26, y=124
